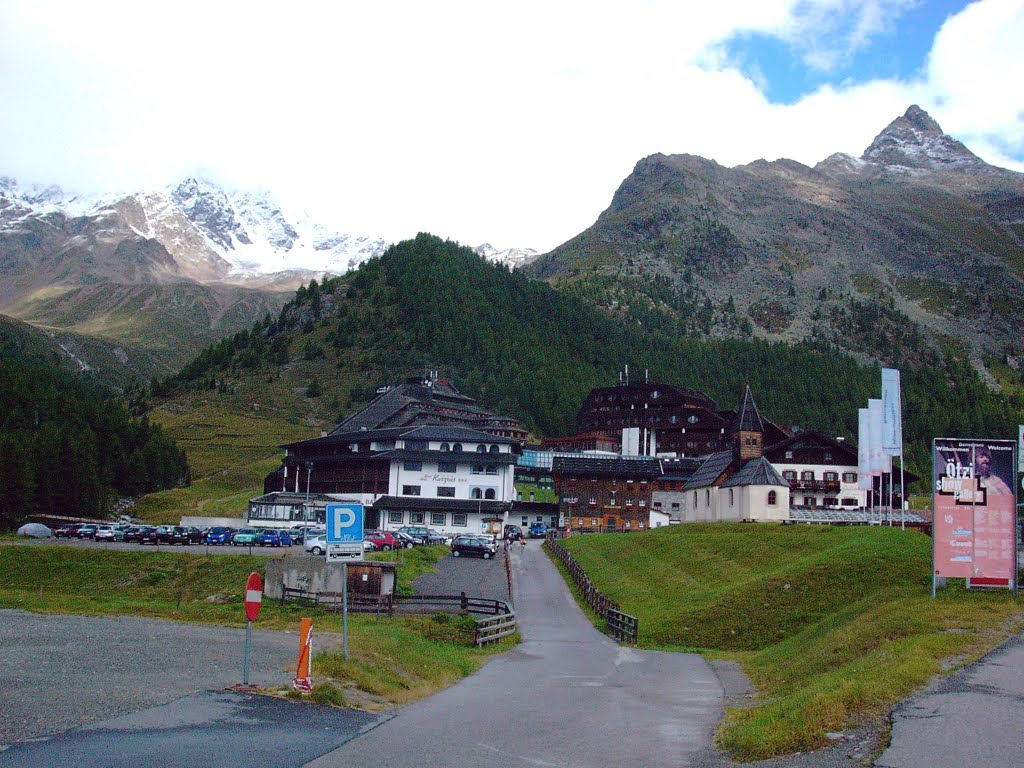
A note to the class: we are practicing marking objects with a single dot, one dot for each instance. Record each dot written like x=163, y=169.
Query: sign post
x=253, y=603
x=344, y=543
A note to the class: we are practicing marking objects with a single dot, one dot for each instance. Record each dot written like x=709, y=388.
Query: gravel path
x=59, y=672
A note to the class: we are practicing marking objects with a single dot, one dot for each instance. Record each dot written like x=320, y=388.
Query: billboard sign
x=975, y=508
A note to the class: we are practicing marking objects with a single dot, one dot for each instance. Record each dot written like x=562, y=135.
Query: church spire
x=748, y=429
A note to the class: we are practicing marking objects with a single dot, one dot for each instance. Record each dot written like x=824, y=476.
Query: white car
x=104, y=533
x=316, y=545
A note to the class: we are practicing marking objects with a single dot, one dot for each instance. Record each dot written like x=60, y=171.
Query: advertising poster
x=975, y=508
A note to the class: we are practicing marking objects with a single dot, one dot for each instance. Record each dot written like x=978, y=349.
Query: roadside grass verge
x=833, y=625
x=392, y=660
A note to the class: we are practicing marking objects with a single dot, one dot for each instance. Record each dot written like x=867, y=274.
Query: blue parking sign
x=344, y=523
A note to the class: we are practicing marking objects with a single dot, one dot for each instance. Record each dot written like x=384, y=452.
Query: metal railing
x=499, y=619
x=621, y=625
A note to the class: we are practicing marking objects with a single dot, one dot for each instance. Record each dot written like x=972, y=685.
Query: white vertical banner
x=863, y=450
x=877, y=457
x=892, y=413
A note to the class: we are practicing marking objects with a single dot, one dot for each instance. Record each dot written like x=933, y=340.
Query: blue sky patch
x=788, y=70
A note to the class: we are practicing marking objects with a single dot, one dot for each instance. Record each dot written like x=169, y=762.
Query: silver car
x=316, y=544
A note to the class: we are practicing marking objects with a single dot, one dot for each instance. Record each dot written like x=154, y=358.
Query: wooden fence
x=621, y=625
x=499, y=619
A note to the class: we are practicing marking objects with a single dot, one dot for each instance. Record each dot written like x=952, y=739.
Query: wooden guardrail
x=621, y=625
x=499, y=619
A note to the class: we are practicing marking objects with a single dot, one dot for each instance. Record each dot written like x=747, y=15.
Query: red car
x=382, y=540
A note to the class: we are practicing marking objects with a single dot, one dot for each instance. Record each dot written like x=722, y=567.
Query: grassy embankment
x=833, y=625
x=229, y=454
x=391, y=661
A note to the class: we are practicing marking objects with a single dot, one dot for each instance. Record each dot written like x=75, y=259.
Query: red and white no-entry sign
x=253, y=596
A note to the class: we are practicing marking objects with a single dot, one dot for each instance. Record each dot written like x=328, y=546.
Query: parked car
x=87, y=531
x=286, y=538
x=404, y=539
x=244, y=537
x=35, y=531
x=119, y=531
x=149, y=535
x=103, y=533
x=67, y=531
x=316, y=544
x=268, y=537
x=382, y=540
x=185, y=535
x=133, y=533
x=219, y=535
x=473, y=546
x=165, y=534
x=424, y=535
x=538, y=530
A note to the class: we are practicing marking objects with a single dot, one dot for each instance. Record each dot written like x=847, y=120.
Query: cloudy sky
x=507, y=123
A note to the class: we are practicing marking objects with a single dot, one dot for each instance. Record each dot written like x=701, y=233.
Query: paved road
x=567, y=696
x=972, y=718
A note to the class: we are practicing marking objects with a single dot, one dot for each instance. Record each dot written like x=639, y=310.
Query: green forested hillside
x=67, y=446
x=525, y=349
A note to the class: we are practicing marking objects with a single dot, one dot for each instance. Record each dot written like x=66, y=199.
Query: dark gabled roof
x=462, y=434
x=345, y=438
x=455, y=457
x=681, y=468
x=777, y=451
x=610, y=467
x=756, y=472
x=710, y=470
x=426, y=393
x=418, y=503
x=748, y=419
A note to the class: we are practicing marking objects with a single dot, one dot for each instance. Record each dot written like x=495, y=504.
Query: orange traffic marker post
x=304, y=672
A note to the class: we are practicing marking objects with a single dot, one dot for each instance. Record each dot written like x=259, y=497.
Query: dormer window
x=445, y=447
x=481, y=448
x=789, y=454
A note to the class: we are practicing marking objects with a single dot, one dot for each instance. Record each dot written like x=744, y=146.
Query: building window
x=772, y=498
x=396, y=518
x=445, y=447
x=789, y=474
x=829, y=501
x=730, y=497
x=446, y=492
x=412, y=466
x=457, y=448
x=410, y=490
x=807, y=475
x=849, y=502
x=828, y=456
x=481, y=449
x=694, y=498
x=629, y=524
x=629, y=501
x=495, y=449
x=593, y=500
x=492, y=469
x=446, y=466
x=416, y=518
x=489, y=493
x=476, y=493
x=639, y=525
x=789, y=454
x=643, y=502
x=593, y=521
x=437, y=518
x=808, y=501
x=478, y=469
x=833, y=476
x=675, y=506
x=459, y=519
x=849, y=477
x=416, y=445
x=707, y=496
x=692, y=419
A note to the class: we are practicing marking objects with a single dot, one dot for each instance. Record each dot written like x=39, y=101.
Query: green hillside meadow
x=833, y=625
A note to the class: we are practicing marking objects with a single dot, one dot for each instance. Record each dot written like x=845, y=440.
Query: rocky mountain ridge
x=902, y=255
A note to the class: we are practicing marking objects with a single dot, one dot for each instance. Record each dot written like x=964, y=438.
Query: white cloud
x=508, y=124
